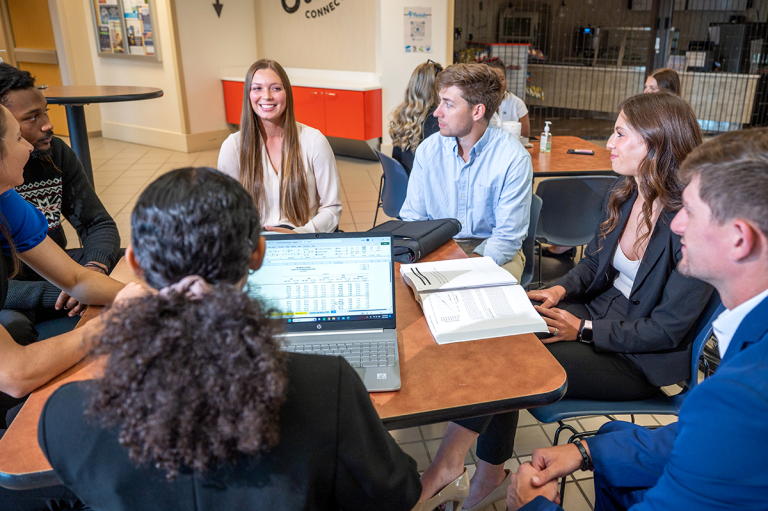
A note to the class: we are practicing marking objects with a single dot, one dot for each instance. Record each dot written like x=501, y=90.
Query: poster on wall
x=128, y=26
x=418, y=29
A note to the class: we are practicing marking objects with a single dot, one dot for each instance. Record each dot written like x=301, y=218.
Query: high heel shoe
x=500, y=493
x=455, y=493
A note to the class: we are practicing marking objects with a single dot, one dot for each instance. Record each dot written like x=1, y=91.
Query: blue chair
x=392, y=187
x=530, y=241
x=571, y=211
x=661, y=404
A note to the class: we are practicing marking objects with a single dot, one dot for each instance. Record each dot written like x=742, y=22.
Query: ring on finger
x=555, y=332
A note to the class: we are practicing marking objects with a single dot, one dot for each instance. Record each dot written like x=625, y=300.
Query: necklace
x=276, y=134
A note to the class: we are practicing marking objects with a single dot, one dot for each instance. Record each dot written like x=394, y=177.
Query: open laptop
x=335, y=294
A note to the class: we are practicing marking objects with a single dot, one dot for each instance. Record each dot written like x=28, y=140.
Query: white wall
x=342, y=39
x=72, y=47
x=392, y=63
x=209, y=44
x=157, y=122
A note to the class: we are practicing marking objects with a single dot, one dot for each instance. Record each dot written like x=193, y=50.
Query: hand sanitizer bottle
x=545, y=143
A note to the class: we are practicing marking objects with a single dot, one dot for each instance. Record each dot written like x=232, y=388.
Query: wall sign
x=124, y=29
x=324, y=9
x=418, y=29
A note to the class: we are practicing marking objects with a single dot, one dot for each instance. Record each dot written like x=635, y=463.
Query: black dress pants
x=591, y=375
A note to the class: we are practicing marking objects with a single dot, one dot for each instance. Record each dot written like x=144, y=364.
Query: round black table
x=75, y=97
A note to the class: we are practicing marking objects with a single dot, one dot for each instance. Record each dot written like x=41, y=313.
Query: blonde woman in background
x=287, y=167
x=413, y=120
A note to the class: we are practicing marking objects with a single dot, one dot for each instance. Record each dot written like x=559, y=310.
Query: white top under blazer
x=323, y=181
x=627, y=271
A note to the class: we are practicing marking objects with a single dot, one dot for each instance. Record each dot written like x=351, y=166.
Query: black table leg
x=78, y=136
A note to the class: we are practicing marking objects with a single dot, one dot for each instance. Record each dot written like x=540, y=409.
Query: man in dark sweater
x=55, y=183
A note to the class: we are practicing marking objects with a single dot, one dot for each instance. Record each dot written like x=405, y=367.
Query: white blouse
x=627, y=271
x=322, y=180
x=511, y=108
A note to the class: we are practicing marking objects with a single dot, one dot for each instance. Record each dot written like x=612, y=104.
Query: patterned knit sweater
x=59, y=187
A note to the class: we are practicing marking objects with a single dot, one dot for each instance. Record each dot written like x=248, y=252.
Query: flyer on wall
x=135, y=38
x=146, y=27
x=418, y=29
x=105, y=41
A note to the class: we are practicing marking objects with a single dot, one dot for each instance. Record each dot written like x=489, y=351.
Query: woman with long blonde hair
x=287, y=167
x=413, y=120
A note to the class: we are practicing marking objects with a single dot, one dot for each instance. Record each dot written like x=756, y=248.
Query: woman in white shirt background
x=511, y=108
x=287, y=167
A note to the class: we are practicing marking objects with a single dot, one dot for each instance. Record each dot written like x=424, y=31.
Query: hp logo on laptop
x=319, y=327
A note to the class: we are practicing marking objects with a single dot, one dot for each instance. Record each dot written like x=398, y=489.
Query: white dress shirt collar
x=728, y=321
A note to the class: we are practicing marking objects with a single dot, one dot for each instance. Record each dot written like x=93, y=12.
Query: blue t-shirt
x=26, y=223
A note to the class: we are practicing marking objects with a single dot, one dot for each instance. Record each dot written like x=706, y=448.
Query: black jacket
x=664, y=306
x=333, y=453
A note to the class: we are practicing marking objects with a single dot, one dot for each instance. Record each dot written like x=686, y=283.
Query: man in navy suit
x=714, y=457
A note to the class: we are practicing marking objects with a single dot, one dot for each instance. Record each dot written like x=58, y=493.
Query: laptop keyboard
x=358, y=354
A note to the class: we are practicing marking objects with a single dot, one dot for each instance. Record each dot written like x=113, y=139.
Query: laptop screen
x=335, y=281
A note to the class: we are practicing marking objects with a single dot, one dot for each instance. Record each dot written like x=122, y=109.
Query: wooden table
x=75, y=97
x=439, y=383
x=559, y=163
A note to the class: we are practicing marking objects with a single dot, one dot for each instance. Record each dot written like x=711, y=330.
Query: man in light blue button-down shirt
x=473, y=172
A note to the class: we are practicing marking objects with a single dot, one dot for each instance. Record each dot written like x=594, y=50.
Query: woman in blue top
x=23, y=236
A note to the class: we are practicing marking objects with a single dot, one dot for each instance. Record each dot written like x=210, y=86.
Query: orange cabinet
x=309, y=107
x=338, y=113
x=233, y=100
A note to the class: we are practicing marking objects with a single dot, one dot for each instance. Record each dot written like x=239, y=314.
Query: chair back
x=572, y=208
x=395, y=185
x=530, y=240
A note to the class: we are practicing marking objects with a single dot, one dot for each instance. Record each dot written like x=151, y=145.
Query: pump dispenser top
x=545, y=142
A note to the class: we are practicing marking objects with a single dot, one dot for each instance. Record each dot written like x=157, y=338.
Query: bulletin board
x=126, y=29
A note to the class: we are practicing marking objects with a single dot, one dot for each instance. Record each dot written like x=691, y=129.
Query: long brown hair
x=294, y=193
x=667, y=79
x=670, y=131
x=420, y=97
x=5, y=231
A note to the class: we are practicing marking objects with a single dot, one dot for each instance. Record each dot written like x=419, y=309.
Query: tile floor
x=122, y=170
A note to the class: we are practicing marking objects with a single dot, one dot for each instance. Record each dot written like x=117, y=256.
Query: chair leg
x=540, y=283
x=378, y=205
x=562, y=427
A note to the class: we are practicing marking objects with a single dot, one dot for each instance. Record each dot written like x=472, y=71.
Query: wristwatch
x=585, y=333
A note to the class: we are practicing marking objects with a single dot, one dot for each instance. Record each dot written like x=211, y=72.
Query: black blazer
x=333, y=453
x=663, y=308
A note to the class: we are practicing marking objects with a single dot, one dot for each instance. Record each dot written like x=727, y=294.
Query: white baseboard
x=189, y=143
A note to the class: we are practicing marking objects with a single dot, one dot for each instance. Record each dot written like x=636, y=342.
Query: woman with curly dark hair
x=198, y=408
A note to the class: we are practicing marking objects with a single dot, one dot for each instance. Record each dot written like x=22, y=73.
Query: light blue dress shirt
x=490, y=194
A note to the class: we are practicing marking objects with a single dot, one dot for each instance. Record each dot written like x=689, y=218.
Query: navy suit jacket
x=713, y=458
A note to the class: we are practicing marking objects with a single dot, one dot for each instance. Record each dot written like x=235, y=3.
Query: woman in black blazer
x=198, y=407
x=621, y=322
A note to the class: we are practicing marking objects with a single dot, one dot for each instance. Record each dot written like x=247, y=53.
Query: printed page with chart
x=471, y=313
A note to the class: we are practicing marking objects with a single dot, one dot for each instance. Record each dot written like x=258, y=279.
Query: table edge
x=28, y=480
x=476, y=410
x=85, y=100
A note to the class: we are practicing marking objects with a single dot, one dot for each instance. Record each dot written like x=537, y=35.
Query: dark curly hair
x=195, y=383
x=12, y=79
